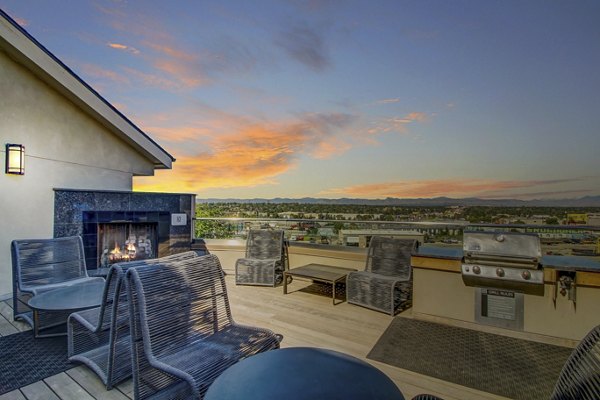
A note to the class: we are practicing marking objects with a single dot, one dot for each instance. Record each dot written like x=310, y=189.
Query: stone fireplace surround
x=78, y=213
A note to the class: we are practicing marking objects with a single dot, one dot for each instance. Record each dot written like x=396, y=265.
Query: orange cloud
x=22, y=21
x=172, y=52
x=396, y=124
x=388, y=101
x=95, y=71
x=169, y=67
x=189, y=76
x=123, y=47
x=154, y=79
x=251, y=154
x=434, y=188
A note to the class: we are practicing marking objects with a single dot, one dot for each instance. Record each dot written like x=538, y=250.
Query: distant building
x=537, y=219
x=362, y=237
x=593, y=219
x=577, y=219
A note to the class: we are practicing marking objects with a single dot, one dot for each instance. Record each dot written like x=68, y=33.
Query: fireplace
x=119, y=242
x=152, y=225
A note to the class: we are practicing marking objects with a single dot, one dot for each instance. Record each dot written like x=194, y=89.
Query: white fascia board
x=47, y=67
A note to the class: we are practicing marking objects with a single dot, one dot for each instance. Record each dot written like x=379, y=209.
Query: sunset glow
x=352, y=99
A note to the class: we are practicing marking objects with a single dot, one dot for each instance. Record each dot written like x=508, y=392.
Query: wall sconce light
x=15, y=159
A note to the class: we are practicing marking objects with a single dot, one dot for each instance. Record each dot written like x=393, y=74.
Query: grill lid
x=502, y=248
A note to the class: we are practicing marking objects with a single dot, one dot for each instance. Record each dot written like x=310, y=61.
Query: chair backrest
x=172, y=305
x=390, y=256
x=580, y=376
x=264, y=244
x=114, y=298
x=38, y=262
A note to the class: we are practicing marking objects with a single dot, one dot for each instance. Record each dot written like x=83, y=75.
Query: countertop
x=565, y=263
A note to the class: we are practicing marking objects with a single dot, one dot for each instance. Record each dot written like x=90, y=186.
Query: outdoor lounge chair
x=265, y=260
x=386, y=283
x=100, y=337
x=40, y=265
x=183, y=334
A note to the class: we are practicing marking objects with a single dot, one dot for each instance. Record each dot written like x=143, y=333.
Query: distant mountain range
x=588, y=201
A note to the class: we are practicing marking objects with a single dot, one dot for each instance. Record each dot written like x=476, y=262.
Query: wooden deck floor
x=303, y=318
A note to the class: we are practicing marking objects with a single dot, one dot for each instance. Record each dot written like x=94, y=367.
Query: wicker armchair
x=40, y=265
x=183, y=334
x=265, y=260
x=580, y=376
x=100, y=337
x=386, y=283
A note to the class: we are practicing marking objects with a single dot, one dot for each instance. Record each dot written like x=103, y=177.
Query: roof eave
x=25, y=49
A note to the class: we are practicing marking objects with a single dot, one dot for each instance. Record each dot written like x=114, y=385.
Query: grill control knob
x=526, y=275
x=500, y=272
x=476, y=270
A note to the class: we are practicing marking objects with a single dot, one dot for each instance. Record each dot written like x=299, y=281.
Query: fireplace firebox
x=119, y=242
x=112, y=237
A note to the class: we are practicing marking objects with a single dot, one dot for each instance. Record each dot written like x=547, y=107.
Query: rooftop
x=304, y=319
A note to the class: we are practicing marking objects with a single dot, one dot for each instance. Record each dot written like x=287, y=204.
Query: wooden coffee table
x=319, y=273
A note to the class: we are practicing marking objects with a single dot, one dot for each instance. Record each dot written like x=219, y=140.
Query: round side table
x=298, y=373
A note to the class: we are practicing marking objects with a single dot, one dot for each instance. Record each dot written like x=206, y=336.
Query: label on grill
x=497, y=303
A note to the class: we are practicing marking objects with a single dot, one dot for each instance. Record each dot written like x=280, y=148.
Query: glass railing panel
x=556, y=239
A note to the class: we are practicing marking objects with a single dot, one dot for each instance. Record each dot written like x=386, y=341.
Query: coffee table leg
x=334, y=285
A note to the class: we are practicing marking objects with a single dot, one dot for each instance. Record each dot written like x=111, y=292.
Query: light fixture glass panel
x=15, y=159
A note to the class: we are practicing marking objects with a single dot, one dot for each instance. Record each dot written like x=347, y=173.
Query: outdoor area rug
x=514, y=368
x=24, y=360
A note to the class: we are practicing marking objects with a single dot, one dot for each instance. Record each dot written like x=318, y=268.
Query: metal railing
x=556, y=239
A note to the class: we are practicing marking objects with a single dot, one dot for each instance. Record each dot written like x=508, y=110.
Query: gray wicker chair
x=386, y=283
x=265, y=260
x=40, y=265
x=183, y=334
x=100, y=337
x=580, y=376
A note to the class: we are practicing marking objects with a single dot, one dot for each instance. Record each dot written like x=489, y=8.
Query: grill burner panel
x=522, y=280
x=507, y=261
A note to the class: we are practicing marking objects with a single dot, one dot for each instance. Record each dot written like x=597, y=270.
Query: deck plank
x=14, y=395
x=66, y=388
x=6, y=328
x=39, y=391
x=88, y=380
x=7, y=312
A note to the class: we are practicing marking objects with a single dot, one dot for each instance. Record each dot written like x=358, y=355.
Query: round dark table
x=298, y=373
x=66, y=299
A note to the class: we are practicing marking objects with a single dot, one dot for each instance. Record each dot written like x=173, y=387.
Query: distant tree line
x=473, y=214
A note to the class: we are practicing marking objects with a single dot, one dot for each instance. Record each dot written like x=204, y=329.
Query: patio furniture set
x=385, y=284
x=167, y=322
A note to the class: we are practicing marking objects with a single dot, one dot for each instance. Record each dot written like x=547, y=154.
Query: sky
x=359, y=99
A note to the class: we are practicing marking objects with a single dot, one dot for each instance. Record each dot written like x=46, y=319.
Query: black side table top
x=75, y=297
x=298, y=373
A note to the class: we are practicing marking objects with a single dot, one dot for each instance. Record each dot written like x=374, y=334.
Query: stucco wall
x=65, y=148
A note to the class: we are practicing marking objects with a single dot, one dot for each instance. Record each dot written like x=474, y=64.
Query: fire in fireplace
x=120, y=242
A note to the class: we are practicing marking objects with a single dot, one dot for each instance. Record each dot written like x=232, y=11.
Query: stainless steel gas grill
x=503, y=261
